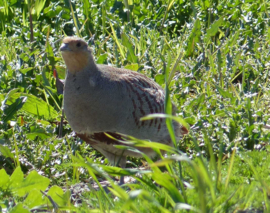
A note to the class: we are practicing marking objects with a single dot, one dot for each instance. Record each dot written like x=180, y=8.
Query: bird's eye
x=78, y=44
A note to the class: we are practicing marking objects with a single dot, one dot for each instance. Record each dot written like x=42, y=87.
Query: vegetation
x=211, y=56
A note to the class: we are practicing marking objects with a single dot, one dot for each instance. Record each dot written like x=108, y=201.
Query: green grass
x=213, y=56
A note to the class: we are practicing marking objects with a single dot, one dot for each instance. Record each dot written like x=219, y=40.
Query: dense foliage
x=211, y=55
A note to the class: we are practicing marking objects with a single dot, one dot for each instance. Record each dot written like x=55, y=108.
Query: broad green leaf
x=2, y=97
x=57, y=194
x=24, y=57
x=10, y=93
x=34, y=199
x=4, y=179
x=193, y=38
x=66, y=197
x=42, y=135
x=19, y=209
x=133, y=67
x=23, y=71
x=197, y=102
x=39, y=5
x=34, y=105
x=31, y=182
x=5, y=151
x=86, y=9
x=102, y=59
x=45, y=79
x=10, y=110
x=37, y=132
x=160, y=79
x=49, y=49
x=50, y=12
x=212, y=31
x=224, y=93
x=16, y=178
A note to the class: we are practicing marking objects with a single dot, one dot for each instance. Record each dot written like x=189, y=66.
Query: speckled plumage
x=101, y=99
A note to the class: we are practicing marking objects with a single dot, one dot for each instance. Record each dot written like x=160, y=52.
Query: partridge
x=101, y=100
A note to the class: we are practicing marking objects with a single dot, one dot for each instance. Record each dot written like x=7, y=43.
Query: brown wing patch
x=101, y=137
x=184, y=130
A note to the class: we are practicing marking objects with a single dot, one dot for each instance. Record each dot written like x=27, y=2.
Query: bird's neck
x=80, y=62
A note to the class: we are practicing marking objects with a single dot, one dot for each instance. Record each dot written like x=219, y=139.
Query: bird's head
x=76, y=54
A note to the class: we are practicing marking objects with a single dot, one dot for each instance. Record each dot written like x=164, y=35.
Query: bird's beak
x=64, y=47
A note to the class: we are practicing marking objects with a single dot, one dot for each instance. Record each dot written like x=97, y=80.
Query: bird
x=102, y=101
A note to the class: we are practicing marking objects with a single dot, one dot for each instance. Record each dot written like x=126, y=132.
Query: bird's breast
x=92, y=105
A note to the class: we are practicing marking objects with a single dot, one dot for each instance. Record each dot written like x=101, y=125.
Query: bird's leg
x=123, y=165
x=61, y=124
x=115, y=160
x=122, y=161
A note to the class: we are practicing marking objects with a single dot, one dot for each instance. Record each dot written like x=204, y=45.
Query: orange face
x=76, y=54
